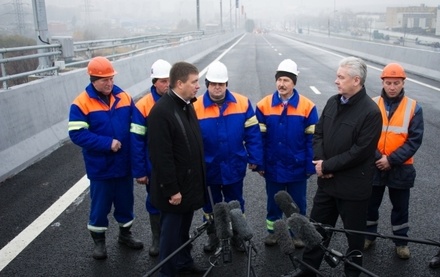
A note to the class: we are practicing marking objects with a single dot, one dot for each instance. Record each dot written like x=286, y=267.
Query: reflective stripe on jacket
x=93, y=125
x=395, y=129
x=287, y=137
x=231, y=137
x=141, y=165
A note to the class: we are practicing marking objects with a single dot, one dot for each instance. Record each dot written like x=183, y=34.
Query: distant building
x=413, y=19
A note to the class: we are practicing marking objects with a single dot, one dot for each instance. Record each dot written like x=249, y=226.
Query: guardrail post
x=3, y=68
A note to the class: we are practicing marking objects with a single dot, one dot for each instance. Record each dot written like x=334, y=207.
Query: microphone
x=240, y=225
x=234, y=204
x=286, y=203
x=223, y=227
x=284, y=239
x=305, y=230
x=287, y=247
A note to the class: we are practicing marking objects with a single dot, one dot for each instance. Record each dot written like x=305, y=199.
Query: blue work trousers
x=104, y=194
x=225, y=193
x=297, y=190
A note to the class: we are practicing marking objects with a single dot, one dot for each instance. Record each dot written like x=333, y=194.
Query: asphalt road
x=64, y=247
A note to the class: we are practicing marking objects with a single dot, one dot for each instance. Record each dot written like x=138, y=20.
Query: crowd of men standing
x=193, y=152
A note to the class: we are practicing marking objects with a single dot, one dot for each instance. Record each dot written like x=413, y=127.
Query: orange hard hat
x=100, y=67
x=393, y=70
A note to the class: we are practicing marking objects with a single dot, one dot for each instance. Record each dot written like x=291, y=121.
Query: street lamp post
x=198, y=14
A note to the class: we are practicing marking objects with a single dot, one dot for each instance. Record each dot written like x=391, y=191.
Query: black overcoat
x=346, y=138
x=176, y=152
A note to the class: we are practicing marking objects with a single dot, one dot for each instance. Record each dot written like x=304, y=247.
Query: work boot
x=403, y=252
x=435, y=261
x=155, y=231
x=298, y=243
x=368, y=244
x=99, y=251
x=213, y=240
x=270, y=240
x=212, y=243
x=126, y=238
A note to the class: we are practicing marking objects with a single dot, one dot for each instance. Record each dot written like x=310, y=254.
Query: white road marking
x=20, y=242
x=315, y=90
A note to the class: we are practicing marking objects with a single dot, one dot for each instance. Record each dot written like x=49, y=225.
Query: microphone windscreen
x=234, y=204
x=283, y=237
x=301, y=227
x=222, y=221
x=286, y=203
x=240, y=225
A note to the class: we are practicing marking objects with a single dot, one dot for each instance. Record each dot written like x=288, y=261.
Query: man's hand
x=116, y=145
x=142, y=180
x=176, y=199
x=383, y=163
x=318, y=168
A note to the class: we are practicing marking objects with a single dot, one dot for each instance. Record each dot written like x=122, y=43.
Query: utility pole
x=18, y=9
x=221, y=16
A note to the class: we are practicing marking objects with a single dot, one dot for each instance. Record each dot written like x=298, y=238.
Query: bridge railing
x=63, y=53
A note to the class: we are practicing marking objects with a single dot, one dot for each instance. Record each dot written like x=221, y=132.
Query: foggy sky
x=174, y=11
x=254, y=9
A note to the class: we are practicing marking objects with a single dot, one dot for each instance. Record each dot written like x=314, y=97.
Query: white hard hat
x=160, y=69
x=288, y=66
x=217, y=73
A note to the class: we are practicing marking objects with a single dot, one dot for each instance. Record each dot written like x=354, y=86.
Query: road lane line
x=20, y=242
x=315, y=90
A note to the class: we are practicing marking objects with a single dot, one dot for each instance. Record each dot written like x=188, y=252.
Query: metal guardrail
x=61, y=57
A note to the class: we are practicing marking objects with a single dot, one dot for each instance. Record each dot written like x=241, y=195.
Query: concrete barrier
x=34, y=116
x=418, y=61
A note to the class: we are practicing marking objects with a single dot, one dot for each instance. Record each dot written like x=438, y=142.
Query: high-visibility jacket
x=93, y=125
x=287, y=131
x=395, y=128
x=141, y=165
x=231, y=137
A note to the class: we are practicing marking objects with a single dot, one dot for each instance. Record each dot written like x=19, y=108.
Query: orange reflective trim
x=88, y=105
x=145, y=104
x=304, y=108
x=202, y=112
x=239, y=107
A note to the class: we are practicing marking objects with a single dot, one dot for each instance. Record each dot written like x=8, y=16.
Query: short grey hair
x=356, y=67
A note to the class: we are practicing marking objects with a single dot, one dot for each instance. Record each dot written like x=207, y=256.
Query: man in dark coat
x=344, y=147
x=178, y=172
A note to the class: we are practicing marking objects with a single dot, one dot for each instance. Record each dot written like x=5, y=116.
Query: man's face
x=162, y=85
x=104, y=85
x=217, y=91
x=285, y=86
x=392, y=86
x=347, y=85
x=188, y=90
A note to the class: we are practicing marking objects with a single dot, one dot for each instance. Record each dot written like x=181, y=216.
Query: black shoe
x=212, y=243
x=435, y=261
x=193, y=270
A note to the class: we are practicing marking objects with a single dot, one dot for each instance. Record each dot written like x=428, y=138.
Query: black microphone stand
x=197, y=232
x=249, y=247
x=379, y=235
x=294, y=259
x=338, y=256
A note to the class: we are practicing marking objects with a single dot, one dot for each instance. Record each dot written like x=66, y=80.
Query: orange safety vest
x=395, y=130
